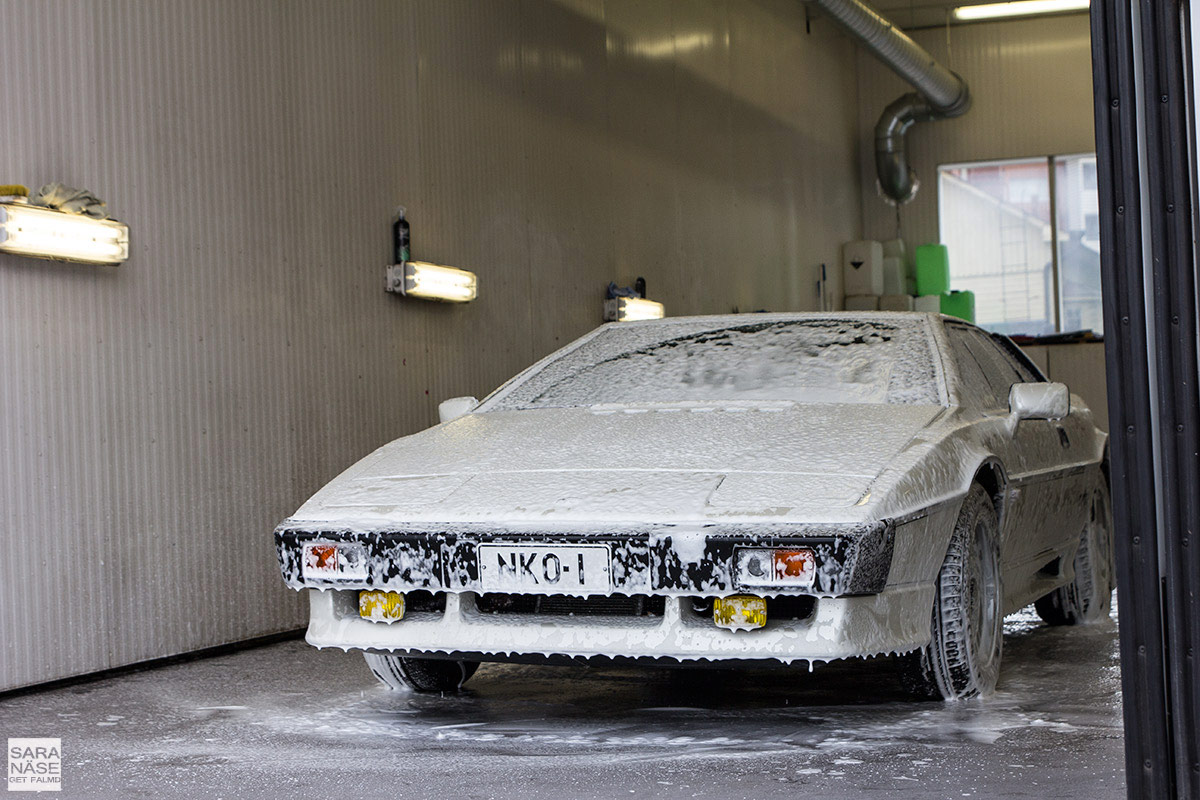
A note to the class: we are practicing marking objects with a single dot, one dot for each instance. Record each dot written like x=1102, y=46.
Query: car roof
x=787, y=316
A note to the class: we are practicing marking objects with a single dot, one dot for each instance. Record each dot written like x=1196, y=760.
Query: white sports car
x=769, y=487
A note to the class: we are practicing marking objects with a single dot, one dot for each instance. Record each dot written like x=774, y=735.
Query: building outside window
x=1024, y=236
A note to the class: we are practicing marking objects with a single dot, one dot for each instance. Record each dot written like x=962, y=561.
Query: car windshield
x=816, y=360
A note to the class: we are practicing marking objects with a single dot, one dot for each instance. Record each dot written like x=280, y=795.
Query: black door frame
x=1145, y=157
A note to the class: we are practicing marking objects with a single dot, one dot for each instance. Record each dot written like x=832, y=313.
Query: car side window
x=974, y=388
x=999, y=372
x=1017, y=360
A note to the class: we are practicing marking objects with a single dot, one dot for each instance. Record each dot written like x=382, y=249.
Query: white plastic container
x=893, y=276
x=862, y=268
x=894, y=248
x=928, y=302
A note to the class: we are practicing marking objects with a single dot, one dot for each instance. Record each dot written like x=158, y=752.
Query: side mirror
x=456, y=407
x=1039, y=401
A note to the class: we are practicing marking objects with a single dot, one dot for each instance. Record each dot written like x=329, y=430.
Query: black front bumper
x=850, y=559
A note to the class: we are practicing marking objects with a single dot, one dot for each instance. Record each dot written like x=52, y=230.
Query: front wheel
x=1088, y=597
x=420, y=674
x=962, y=658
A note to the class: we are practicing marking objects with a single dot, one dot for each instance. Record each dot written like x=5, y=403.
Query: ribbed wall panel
x=1031, y=92
x=159, y=418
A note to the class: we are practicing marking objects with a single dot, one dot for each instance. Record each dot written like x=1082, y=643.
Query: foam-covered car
x=732, y=489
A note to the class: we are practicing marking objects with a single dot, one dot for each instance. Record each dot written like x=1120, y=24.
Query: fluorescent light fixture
x=631, y=309
x=433, y=282
x=44, y=233
x=1018, y=8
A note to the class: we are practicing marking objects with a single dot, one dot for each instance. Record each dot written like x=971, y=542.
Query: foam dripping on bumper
x=840, y=627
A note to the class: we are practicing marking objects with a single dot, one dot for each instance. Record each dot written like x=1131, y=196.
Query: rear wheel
x=1088, y=597
x=962, y=658
x=420, y=674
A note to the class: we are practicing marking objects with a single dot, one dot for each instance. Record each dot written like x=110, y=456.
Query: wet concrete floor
x=286, y=720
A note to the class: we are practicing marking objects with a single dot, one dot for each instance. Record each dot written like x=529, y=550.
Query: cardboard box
x=862, y=302
x=896, y=302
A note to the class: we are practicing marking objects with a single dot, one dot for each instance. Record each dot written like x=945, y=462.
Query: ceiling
x=920, y=13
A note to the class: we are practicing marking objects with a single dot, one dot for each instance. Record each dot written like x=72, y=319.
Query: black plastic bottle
x=400, y=238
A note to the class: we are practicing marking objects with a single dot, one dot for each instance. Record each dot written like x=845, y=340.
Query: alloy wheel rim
x=983, y=609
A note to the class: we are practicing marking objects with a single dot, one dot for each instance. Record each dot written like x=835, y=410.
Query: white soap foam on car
x=742, y=439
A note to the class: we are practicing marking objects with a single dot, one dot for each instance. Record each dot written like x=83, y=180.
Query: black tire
x=1088, y=597
x=962, y=658
x=420, y=674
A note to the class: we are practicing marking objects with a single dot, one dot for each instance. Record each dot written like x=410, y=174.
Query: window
x=999, y=372
x=691, y=361
x=1077, y=226
x=1018, y=360
x=1024, y=236
x=973, y=388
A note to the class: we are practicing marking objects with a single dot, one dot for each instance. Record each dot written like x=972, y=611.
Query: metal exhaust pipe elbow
x=940, y=93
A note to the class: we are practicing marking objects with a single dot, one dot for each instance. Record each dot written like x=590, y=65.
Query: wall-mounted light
x=432, y=282
x=1017, y=8
x=631, y=309
x=44, y=233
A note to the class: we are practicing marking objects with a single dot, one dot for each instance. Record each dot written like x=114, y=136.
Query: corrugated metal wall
x=1031, y=87
x=157, y=419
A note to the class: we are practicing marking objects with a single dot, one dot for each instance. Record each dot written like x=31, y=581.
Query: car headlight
x=333, y=561
x=782, y=567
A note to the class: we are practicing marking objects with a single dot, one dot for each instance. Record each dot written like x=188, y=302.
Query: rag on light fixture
x=1018, y=8
x=44, y=233
x=631, y=309
x=432, y=282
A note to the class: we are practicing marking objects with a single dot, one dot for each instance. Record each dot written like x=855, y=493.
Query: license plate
x=554, y=569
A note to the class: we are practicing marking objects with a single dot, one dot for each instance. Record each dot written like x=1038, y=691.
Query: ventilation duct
x=940, y=93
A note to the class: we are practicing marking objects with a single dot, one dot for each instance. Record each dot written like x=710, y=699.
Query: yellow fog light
x=380, y=606
x=740, y=612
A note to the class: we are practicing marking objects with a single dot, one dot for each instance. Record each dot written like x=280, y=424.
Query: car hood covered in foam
x=627, y=464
